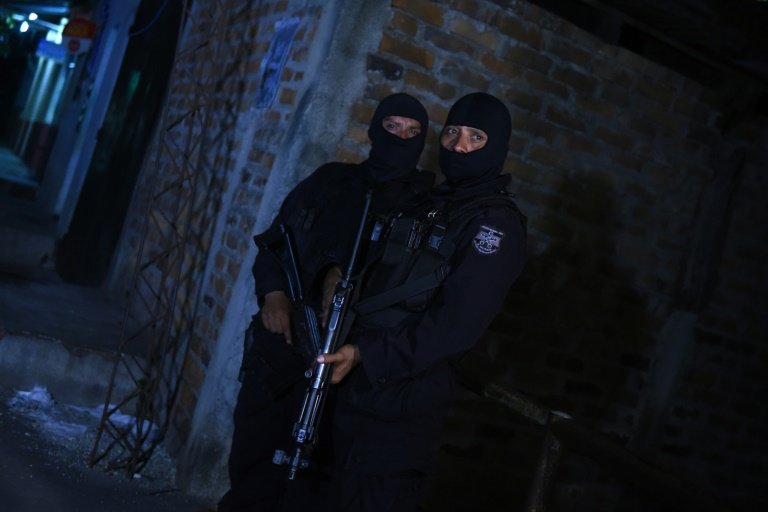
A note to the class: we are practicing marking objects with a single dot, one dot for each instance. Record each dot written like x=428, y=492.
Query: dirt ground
x=44, y=448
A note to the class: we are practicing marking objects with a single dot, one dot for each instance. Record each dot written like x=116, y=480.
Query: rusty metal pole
x=551, y=451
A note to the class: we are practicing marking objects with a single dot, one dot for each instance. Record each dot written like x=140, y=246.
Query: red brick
x=287, y=96
x=219, y=285
x=614, y=138
x=362, y=112
x=571, y=53
x=616, y=95
x=524, y=100
x=704, y=135
x=522, y=170
x=535, y=126
x=607, y=70
x=429, y=12
x=596, y=106
x=233, y=270
x=407, y=51
x=655, y=91
x=347, y=155
x=280, y=6
x=470, y=8
x=517, y=144
x=579, y=81
x=581, y=143
x=465, y=76
x=635, y=62
x=300, y=54
x=437, y=112
x=692, y=108
x=219, y=261
x=501, y=67
x=562, y=117
x=544, y=84
x=544, y=155
x=517, y=29
x=448, y=42
x=194, y=373
x=359, y=134
x=428, y=82
x=404, y=23
x=528, y=58
x=389, y=70
x=185, y=404
x=485, y=37
x=377, y=92
x=629, y=162
x=552, y=226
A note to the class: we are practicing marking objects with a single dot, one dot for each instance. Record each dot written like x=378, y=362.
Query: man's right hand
x=276, y=314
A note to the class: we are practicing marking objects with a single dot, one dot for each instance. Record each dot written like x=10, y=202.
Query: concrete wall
x=640, y=310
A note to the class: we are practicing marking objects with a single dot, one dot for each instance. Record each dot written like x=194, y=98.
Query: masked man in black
x=432, y=290
x=322, y=212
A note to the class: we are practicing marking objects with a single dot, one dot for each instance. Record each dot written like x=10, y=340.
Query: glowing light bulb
x=24, y=26
x=32, y=16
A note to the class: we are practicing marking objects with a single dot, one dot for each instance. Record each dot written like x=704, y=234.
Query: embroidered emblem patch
x=487, y=240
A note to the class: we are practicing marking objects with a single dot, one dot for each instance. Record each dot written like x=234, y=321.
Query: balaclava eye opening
x=390, y=156
x=487, y=113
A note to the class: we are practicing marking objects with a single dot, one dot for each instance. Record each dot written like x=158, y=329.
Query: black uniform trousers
x=268, y=405
x=363, y=464
x=357, y=486
x=382, y=458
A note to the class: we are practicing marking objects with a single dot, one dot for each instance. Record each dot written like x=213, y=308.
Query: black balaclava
x=487, y=113
x=392, y=157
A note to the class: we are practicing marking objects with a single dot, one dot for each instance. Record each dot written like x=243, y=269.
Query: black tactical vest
x=406, y=272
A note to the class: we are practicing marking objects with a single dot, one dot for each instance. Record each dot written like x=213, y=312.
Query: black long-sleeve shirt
x=407, y=372
x=324, y=212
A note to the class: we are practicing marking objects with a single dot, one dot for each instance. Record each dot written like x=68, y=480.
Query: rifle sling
x=401, y=292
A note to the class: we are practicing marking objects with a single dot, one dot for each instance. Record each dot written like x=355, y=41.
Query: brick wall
x=210, y=132
x=247, y=41
x=611, y=155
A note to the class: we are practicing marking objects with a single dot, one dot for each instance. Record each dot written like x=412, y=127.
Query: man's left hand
x=343, y=360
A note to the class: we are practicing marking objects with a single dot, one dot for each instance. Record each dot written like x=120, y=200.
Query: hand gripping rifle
x=303, y=318
x=305, y=429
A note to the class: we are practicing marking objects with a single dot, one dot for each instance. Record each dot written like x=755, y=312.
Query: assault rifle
x=305, y=429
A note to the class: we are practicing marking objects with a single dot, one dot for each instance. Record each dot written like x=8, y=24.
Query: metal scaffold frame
x=169, y=263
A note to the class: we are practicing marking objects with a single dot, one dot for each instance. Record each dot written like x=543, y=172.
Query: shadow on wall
x=575, y=335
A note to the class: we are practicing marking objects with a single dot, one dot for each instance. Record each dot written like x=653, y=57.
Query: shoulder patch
x=487, y=240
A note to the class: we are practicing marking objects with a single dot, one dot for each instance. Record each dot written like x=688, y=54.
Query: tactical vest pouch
x=397, y=242
x=428, y=265
x=301, y=219
x=414, y=274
